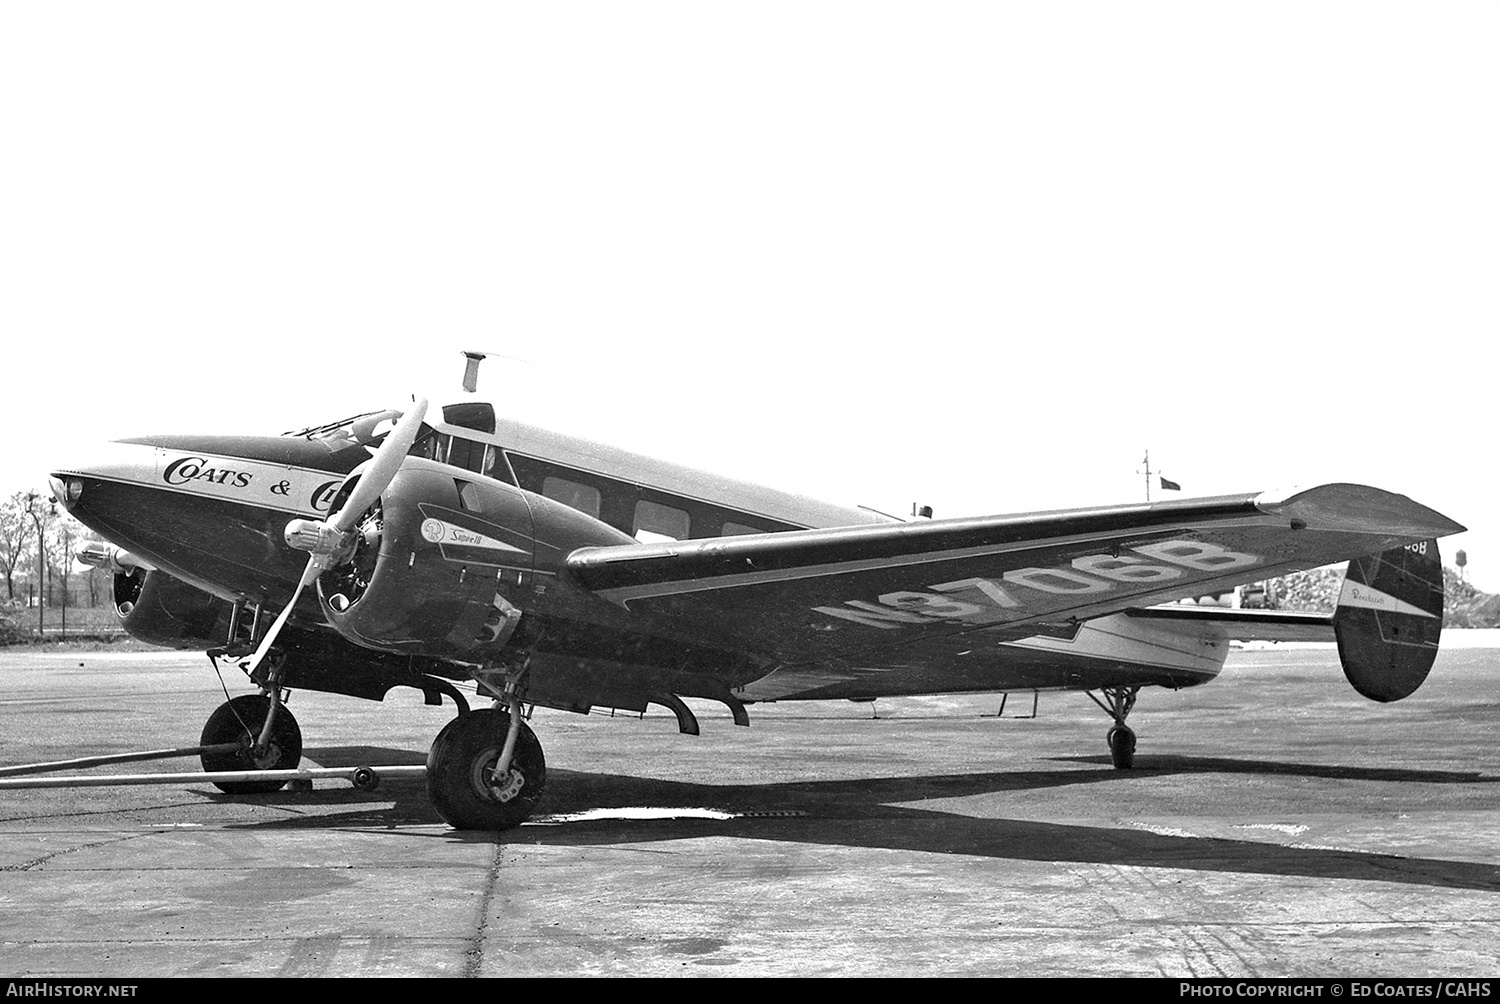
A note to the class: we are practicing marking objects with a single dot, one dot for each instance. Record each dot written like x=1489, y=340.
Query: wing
x=816, y=595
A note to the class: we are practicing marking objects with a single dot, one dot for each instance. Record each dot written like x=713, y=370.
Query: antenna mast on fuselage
x=471, y=370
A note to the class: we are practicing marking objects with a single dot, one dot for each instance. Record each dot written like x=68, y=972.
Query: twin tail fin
x=1389, y=619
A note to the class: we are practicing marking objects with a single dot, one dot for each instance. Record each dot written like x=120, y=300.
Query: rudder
x=1389, y=619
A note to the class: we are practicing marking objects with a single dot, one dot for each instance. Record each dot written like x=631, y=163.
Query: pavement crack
x=474, y=954
x=84, y=813
x=27, y=866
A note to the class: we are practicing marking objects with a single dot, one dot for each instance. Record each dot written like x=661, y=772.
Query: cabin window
x=573, y=495
x=655, y=522
x=465, y=453
x=492, y=468
x=432, y=445
x=735, y=529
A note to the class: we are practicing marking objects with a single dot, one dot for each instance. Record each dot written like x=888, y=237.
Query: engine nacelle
x=446, y=565
x=160, y=610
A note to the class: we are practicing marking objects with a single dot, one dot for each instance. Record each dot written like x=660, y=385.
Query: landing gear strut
x=462, y=779
x=263, y=731
x=243, y=721
x=1121, y=738
x=485, y=770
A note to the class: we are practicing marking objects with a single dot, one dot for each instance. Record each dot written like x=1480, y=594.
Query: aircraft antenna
x=471, y=370
x=1147, y=462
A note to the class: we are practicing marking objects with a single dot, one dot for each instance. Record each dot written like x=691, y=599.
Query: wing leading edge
x=813, y=595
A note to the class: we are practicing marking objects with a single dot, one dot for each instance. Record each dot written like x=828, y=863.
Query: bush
x=1465, y=606
x=1318, y=590
x=11, y=631
x=1315, y=590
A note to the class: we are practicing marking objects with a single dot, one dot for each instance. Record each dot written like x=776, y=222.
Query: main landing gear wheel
x=460, y=769
x=1121, y=741
x=240, y=721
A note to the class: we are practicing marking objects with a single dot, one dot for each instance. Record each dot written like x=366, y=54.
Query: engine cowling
x=161, y=610
x=447, y=565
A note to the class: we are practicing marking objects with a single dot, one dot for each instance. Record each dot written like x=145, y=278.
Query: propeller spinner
x=330, y=541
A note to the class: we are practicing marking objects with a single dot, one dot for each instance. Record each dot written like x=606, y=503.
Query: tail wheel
x=1121, y=741
x=241, y=721
x=460, y=769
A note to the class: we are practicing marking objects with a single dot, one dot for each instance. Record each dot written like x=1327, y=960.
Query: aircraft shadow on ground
x=364, y=756
x=877, y=813
x=394, y=802
x=1169, y=764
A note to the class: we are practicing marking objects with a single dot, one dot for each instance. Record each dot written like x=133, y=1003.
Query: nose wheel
x=1117, y=703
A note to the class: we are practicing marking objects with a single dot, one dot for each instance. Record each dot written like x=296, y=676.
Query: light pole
x=67, y=560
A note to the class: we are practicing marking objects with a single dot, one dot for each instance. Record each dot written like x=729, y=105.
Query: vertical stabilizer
x=1389, y=619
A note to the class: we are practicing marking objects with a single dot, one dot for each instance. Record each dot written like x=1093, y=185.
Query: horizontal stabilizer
x=1241, y=625
x=1389, y=618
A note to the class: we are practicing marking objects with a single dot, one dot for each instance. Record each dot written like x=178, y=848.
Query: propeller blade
x=375, y=480
x=377, y=477
x=309, y=573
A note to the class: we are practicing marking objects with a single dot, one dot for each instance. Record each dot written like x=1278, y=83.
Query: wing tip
x=1359, y=508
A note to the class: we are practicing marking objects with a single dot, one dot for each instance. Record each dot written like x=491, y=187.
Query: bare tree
x=43, y=514
x=56, y=536
x=64, y=537
x=17, y=530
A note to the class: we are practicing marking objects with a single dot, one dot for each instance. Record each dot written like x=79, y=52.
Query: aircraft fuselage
x=211, y=512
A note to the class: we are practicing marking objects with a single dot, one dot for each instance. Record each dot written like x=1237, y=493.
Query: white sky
x=980, y=256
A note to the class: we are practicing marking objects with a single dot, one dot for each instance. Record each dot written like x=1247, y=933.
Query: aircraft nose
x=205, y=516
x=121, y=463
x=65, y=490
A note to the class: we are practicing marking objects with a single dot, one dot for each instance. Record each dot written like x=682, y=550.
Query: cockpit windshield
x=361, y=430
x=370, y=429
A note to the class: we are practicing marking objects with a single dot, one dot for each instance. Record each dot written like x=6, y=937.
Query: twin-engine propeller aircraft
x=552, y=571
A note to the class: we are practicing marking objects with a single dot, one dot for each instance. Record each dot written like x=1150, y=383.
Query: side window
x=655, y=522
x=431, y=446
x=461, y=453
x=491, y=468
x=735, y=529
x=584, y=498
